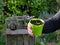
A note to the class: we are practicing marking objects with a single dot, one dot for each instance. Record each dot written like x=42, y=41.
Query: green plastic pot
x=37, y=27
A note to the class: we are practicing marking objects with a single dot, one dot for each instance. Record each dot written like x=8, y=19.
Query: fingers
x=30, y=33
x=29, y=30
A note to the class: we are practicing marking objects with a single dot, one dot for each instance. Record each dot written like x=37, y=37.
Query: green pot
x=37, y=27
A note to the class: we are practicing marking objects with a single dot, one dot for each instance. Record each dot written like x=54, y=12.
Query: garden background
x=40, y=8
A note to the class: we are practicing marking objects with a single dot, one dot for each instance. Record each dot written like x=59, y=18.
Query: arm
x=52, y=24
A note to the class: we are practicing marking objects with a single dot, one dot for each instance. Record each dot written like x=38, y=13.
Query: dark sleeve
x=52, y=24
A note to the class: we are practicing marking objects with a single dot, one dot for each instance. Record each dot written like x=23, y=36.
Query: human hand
x=30, y=32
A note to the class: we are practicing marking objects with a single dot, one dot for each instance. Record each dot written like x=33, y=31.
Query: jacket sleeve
x=52, y=24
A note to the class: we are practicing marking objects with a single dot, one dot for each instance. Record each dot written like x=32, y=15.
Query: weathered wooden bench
x=19, y=36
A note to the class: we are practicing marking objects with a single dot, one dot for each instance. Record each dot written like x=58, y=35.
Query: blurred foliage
x=58, y=1
x=9, y=8
x=30, y=7
x=51, y=37
x=58, y=43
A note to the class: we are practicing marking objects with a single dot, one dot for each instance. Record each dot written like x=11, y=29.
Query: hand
x=29, y=30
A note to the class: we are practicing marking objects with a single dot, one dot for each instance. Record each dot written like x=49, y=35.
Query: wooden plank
x=26, y=40
x=20, y=40
x=8, y=40
x=16, y=32
x=12, y=40
x=31, y=40
x=17, y=39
